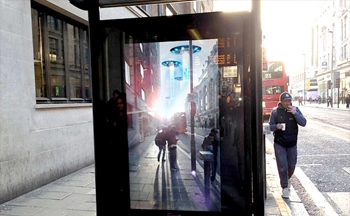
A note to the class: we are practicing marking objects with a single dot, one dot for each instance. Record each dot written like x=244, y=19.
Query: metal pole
x=327, y=90
x=255, y=201
x=342, y=92
x=193, y=107
x=332, y=75
x=206, y=180
x=338, y=95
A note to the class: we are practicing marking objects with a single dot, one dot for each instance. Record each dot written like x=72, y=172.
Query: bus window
x=274, y=82
x=179, y=121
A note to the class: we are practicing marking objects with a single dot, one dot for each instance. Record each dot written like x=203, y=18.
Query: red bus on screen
x=179, y=121
x=274, y=82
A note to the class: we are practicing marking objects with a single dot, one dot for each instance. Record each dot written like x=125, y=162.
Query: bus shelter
x=155, y=64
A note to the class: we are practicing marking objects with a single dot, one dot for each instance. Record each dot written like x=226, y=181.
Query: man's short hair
x=116, y=92
x=214, y=131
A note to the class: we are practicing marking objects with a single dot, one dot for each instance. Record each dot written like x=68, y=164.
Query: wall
x=38, y=143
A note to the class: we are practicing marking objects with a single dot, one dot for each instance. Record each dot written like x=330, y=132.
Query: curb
x=275, y=189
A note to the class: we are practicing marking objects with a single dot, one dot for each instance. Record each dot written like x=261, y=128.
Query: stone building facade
x=46, y=123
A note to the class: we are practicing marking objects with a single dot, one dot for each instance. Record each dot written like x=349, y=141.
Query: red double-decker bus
x=274, y=82
x=179, y=121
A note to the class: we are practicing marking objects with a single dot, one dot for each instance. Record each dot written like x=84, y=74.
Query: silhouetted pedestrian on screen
x=160, y=141
x=171, y=137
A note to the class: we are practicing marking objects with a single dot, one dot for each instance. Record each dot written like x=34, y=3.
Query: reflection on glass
x=164, y=123
x=178, y=96
x=183, y=83
x=159, y=103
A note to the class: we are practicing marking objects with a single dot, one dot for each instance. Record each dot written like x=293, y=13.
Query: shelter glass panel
x=182, y=82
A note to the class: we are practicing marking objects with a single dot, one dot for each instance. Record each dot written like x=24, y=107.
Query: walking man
x=171, y=137
x=347, y=101
x=284, y=121
x=160, y=141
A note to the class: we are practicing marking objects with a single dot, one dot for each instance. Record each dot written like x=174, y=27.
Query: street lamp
x=332, y=81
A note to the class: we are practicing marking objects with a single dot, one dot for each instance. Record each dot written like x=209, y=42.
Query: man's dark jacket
x=289, y=136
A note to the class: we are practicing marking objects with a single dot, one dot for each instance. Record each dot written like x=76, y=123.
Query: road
x=322, y=177
x=199, y=136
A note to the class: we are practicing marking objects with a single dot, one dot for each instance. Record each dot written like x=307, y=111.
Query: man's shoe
x=285, y=193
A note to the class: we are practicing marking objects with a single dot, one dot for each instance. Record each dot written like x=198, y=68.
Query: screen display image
x=161, y=176
x=182, y=94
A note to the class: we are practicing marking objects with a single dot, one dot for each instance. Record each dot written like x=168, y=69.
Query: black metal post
x=206, y=180
x=104, y=158
x=193, y=108
x=208, y=159
x=327, y=89
x=97, y=102
x=332, y=74
x=258, y=146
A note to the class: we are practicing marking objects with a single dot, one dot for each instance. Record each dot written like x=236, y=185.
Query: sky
x=285, y=25
x=180, y=89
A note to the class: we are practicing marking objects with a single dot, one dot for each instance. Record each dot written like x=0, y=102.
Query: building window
x=129, y=116
x=61, y=58
x=346, y=55
x=127, y=73
x=142, y=71
x=205, y=98
x=344, y=33
x=345, y=27
x=143, y=95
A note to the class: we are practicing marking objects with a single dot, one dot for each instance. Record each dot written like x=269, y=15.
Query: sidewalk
x=324, y=105
x=74, y=195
